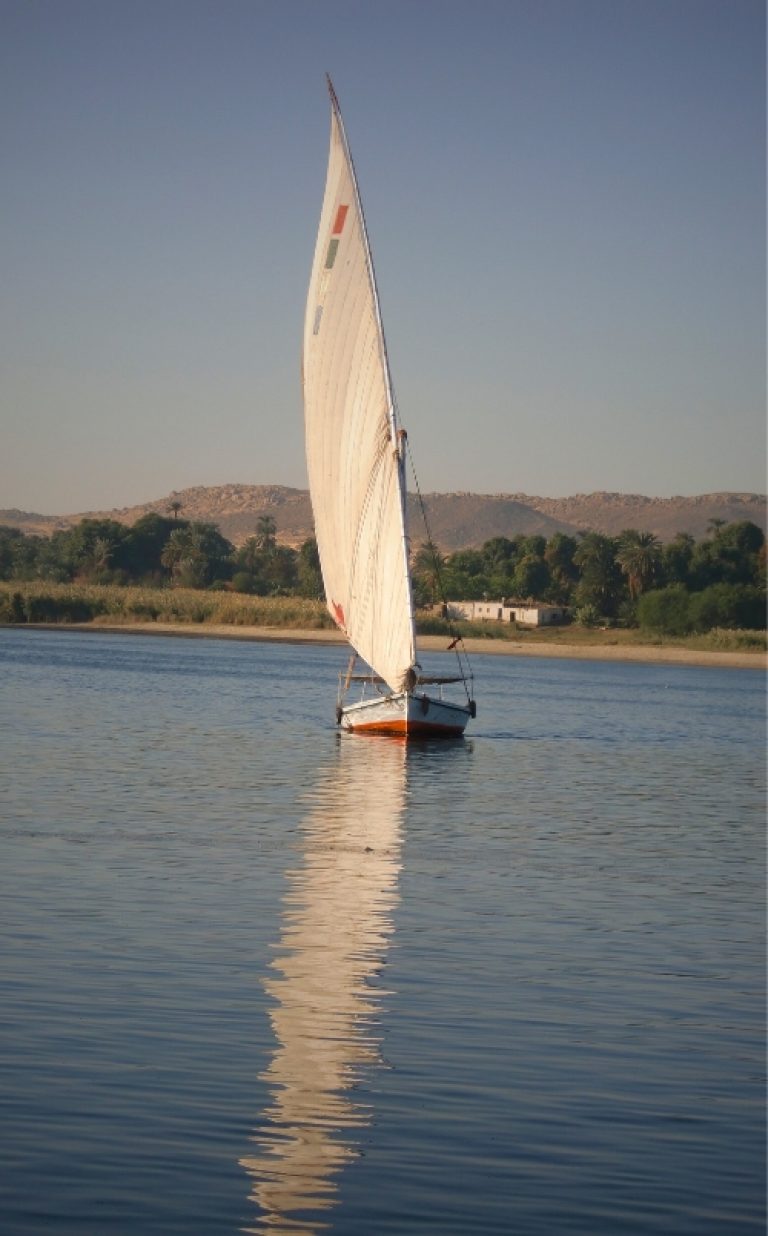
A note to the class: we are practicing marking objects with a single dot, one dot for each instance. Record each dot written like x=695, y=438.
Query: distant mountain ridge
x=457, y=520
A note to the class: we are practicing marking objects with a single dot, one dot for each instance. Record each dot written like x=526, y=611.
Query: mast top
x=332, y=93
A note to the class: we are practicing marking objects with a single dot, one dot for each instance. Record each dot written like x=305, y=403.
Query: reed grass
x=108, y=604
x=35, y=601
x=722, y=639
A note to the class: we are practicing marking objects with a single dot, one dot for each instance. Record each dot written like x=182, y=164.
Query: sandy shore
x=646, y=653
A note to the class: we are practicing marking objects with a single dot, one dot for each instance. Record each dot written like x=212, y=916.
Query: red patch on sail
x=341, y=215
x=338, y=614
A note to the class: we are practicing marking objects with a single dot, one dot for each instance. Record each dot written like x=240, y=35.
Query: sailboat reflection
x=336, y=924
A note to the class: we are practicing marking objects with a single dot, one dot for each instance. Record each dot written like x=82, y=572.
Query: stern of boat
x=406, y=715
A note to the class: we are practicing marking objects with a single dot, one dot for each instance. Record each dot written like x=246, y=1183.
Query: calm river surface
x=258, y=975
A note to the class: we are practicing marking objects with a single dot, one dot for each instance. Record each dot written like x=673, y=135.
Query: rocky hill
x=457, y=520
x=611, y=513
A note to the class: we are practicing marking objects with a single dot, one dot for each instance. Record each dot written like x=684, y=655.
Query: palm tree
x=499, y=554
x=427, y=564
x=531, y=577
x=174, y=507
x=266, y=529
x=98, y=556
x=600, y=582
x=676, y=559
x=638, y=556
x=179, y=551
x=564, y=574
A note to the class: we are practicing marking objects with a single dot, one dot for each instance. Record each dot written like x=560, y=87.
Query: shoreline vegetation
x=163, y=569
x=212, y=614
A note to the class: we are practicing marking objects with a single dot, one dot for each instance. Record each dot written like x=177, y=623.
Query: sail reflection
x=336, y=924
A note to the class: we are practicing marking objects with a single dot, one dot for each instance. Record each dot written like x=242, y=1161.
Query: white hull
x=406, y=716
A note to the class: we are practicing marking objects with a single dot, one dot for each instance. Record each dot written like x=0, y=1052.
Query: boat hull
x=406, y=716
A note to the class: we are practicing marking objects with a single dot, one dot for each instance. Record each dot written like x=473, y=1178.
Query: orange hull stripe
x=405, y=728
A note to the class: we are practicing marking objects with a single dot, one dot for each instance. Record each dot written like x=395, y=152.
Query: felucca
x=356, y=462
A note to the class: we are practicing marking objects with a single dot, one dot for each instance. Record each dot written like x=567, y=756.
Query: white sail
x=353, y=453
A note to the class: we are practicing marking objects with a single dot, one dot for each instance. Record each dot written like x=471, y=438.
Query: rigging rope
x=457, y=641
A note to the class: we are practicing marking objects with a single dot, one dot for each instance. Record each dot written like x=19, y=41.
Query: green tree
x=9, y=543
x=665, y=610
x=740, y=606
x=250, y=556
x=92, y=550
x=264, y=567
x=731, y=556
x=532, y=545
x=266, y=533
x=197, y=555
x=100, y=556
x=244, y=581
x=499, y=555
x=179, y=554
x=676, y=559
x=464, y=577
x=280, y=570
x=427, y=569
x=460, y=585
x=145, y=542
x=739, y=545
x=675, y=611
x=53, y=560
x=309, y=574
x=531, y=578
x=600, y=584
x=563, y=572
x=639, y=556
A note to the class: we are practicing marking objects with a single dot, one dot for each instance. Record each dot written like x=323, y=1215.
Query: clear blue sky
x=566, y=200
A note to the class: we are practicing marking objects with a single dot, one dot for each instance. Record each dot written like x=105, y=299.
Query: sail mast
x=397, y=443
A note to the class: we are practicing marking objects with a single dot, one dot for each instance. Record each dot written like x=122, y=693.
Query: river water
x=257, y=975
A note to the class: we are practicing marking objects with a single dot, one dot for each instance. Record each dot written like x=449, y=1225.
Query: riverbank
x=535, y=644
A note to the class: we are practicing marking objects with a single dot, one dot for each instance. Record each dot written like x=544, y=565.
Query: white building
x=525, y=613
